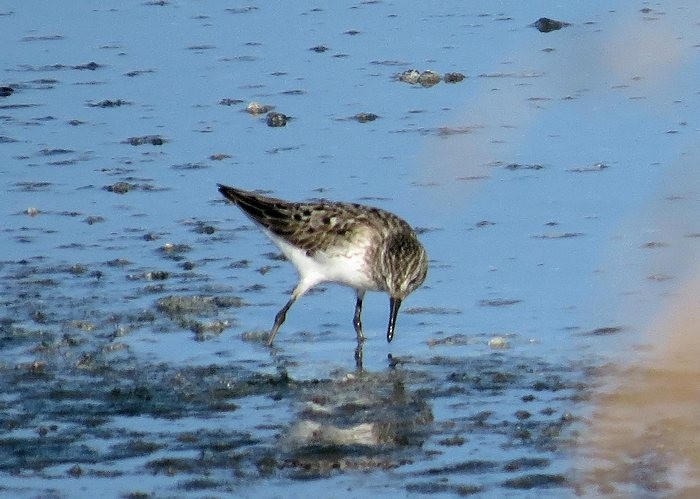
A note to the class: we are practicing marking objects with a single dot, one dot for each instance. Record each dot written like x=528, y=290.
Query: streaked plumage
x=358, y=246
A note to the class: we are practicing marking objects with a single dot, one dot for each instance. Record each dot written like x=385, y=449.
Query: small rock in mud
x=156, y=275
x=429, y=78
x=526, y=463
x=545, y=25
x=604, y=331
x=454, y=441
x=426, y=78
x=138, y=72
x=653, y=245
x=497, y=303
x=32, y=186
x=521, y=414
x=453, y=77
x=432, y=311
x=91, y=220
x=205, y=330
x=307, y=433
x=155, y=140
x=558, y=235
x=659, y=277
x=409, y=76
x=230, y=102
x=427, y=489
x=151, y=236
x=520, y=166
x=119, y=187
x=219, y=157
x=177, y=305
x=82, y=325
x=447, y=131
x=452, y=340
x=276, y=119
x=498, y=342
x=256, y=108
x=364, y=117
x=203, y=228
x=598, y=167
x=75, y=471
x=170, y=248
x=56, y=151
x=537, y=480
x=109, y=103
x=90, y=66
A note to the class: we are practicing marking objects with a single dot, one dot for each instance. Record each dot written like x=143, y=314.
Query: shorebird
x=365, y=248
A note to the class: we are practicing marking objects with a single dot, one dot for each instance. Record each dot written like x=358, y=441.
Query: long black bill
x=394, y=304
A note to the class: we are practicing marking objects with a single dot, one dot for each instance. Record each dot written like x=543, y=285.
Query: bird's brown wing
x=311, y=226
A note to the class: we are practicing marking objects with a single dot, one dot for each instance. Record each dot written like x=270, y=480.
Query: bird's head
x=404, y=268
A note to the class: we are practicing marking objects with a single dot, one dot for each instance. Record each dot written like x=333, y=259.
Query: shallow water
x=554, y=188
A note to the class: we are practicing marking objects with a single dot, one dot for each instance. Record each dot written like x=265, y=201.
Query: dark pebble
x=545, y=25
x=537, y=480
x=525, y=463
x=365, y=117
x=484, y=223
x=429, y=78
x=219, y=157
x=119, y=187
x=276, y=119
x=604, y=331
x=230, y=102
x=93, y=220
x=90, y=66
x=109, y=103
x=453, y=77
x=497, y=303
x=520, y=166
x=409, y=76
x=155, y=140
x=157, y=275
x=205, y=229
x=75, y=471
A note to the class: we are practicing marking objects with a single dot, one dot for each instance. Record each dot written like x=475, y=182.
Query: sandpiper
x=358, y=246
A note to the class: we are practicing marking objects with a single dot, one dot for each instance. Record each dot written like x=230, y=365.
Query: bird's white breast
x=343, y=265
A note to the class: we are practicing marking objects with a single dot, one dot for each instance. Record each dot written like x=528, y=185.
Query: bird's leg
x=302, y=287
x=358, y=356
x=356, y=321
x=279, y=319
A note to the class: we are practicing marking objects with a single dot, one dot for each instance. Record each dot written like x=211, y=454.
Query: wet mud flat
x=81, y=411
x=134, y=301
